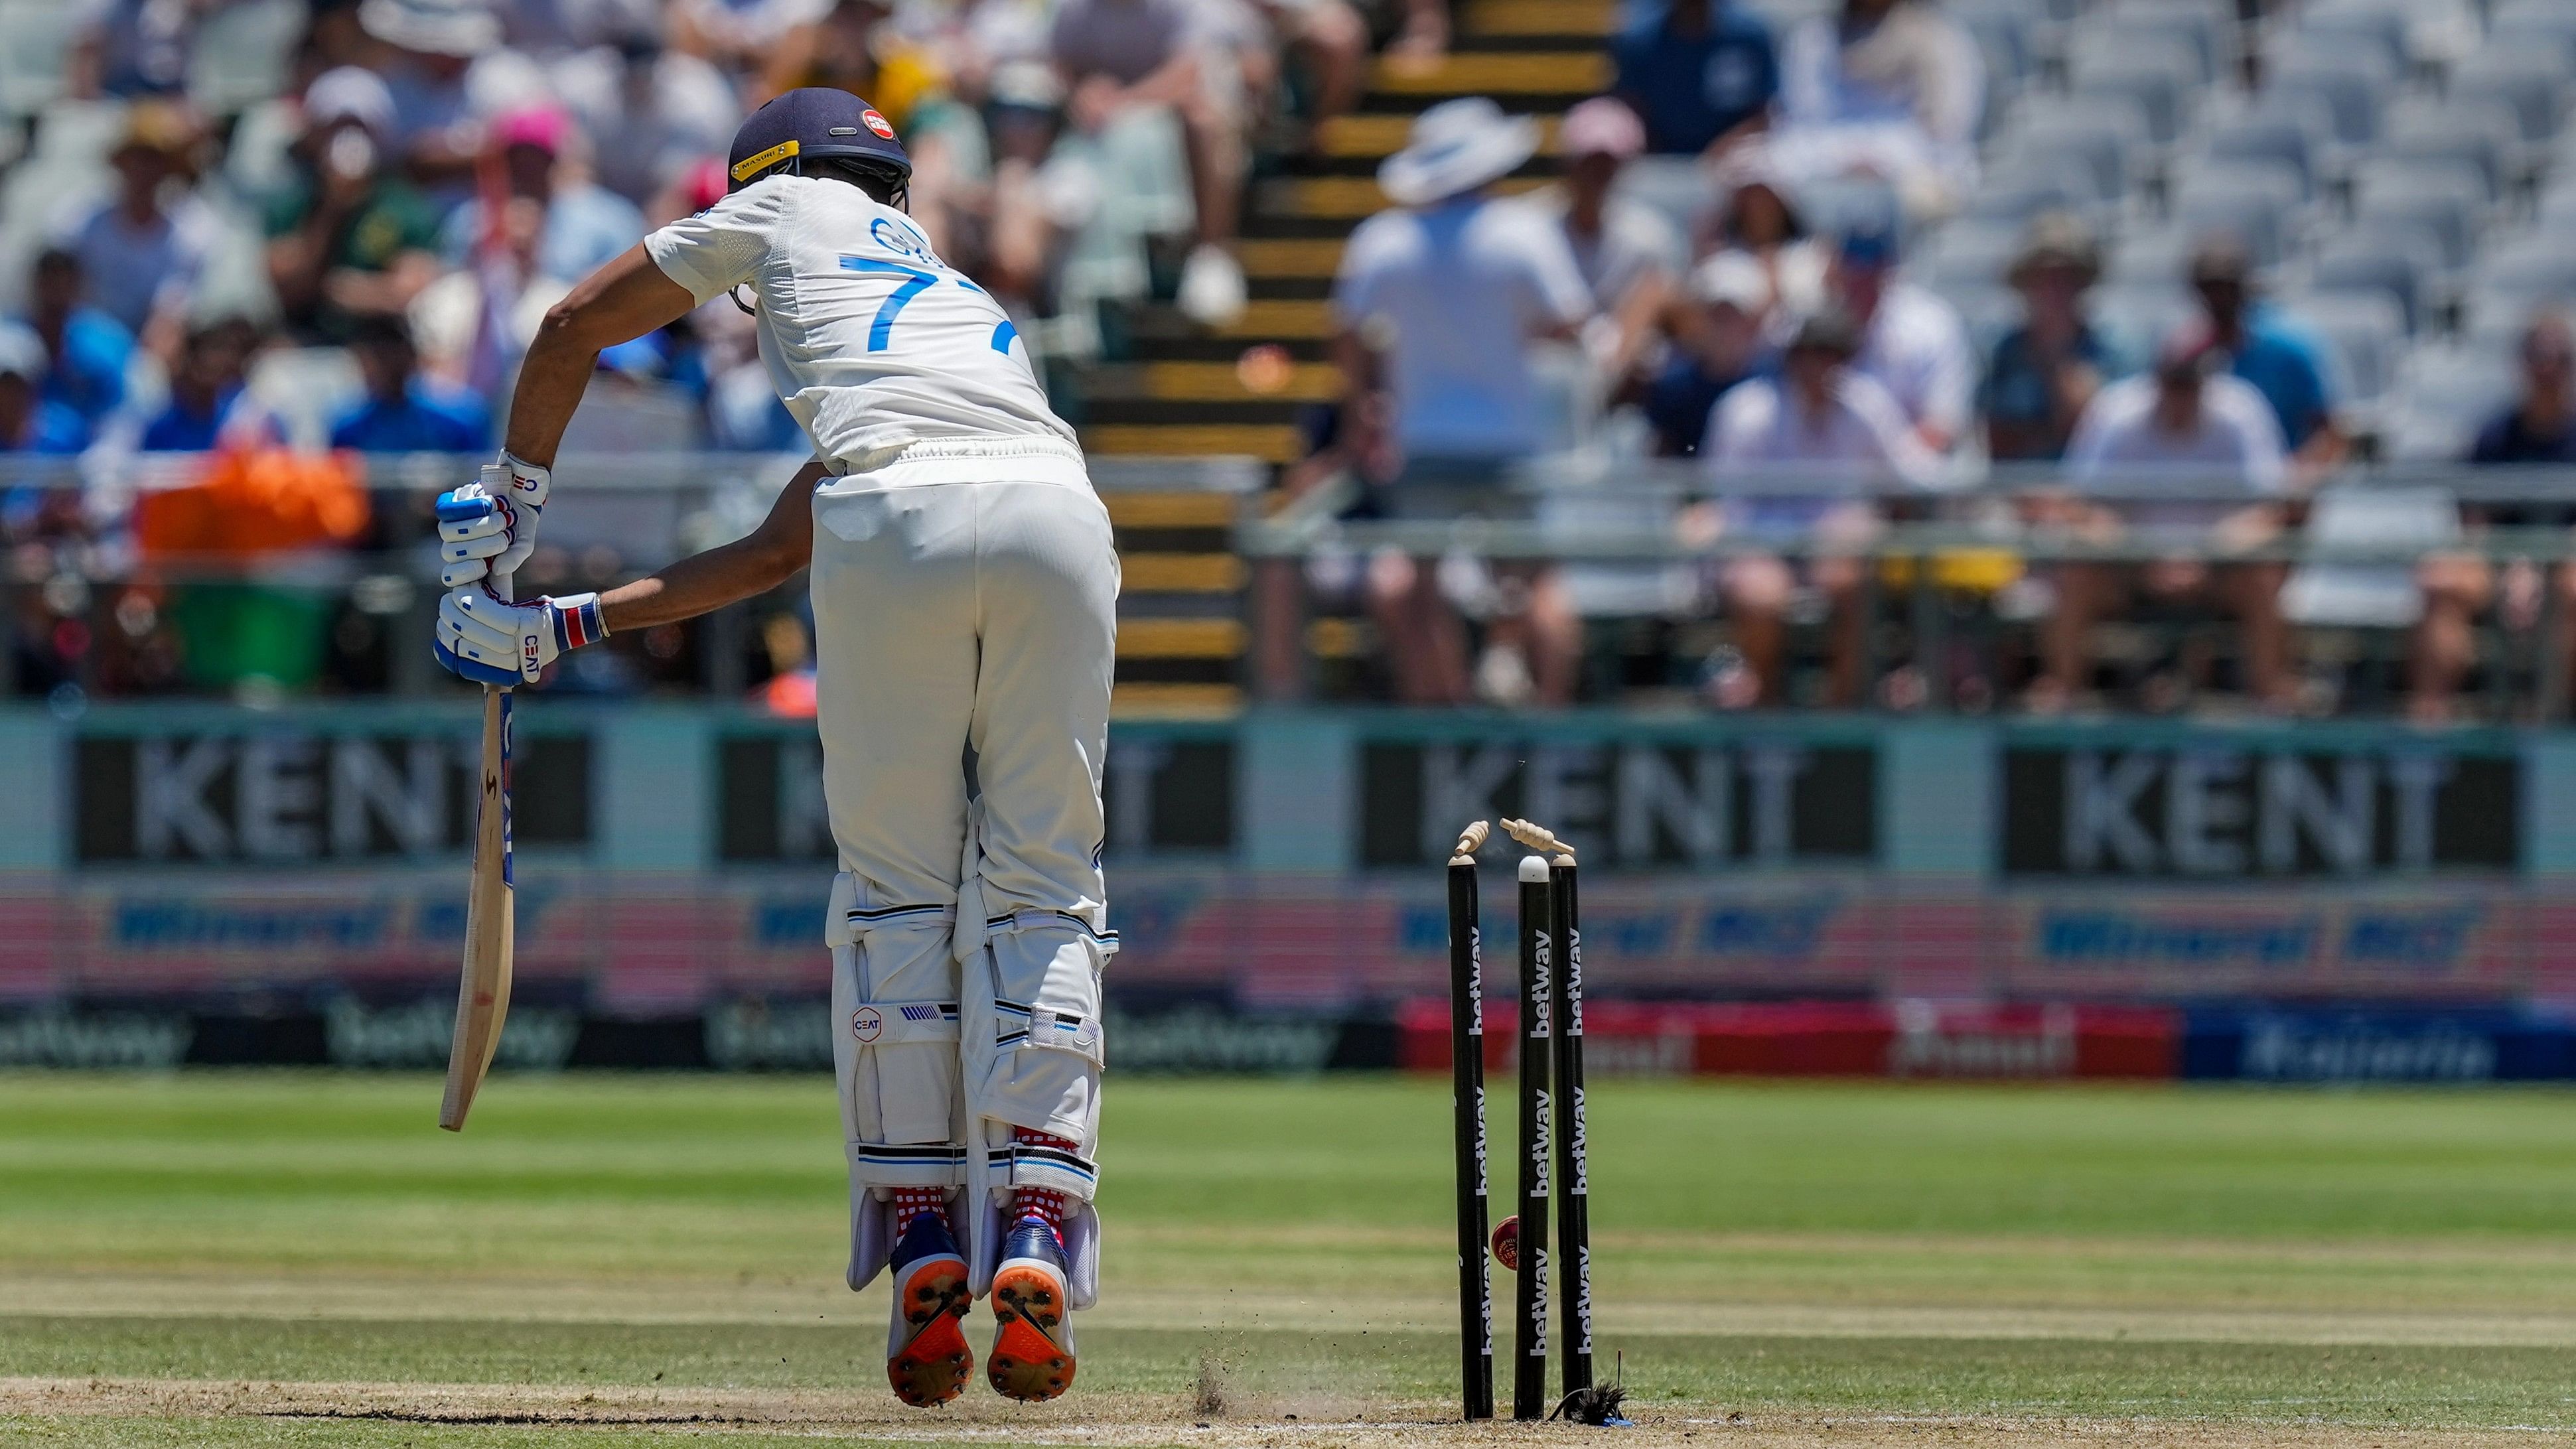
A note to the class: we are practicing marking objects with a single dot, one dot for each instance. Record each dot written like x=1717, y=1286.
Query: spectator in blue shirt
x=85, y=349
x=1697, y=74
x=405, y=412
x=2045, y=372
x=2280, y=360
x=208, y=400
x=29, y=421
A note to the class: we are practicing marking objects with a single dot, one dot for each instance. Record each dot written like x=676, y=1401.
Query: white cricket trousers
x=958, y=619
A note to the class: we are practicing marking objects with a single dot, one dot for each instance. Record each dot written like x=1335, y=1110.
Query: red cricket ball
x=1507, y=1243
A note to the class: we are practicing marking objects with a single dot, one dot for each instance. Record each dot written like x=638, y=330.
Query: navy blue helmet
x=817, y=124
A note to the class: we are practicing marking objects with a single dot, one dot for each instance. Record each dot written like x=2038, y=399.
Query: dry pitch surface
x=256, y=1259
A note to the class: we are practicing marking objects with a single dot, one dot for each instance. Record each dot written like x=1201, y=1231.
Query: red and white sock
x=912, y=1202
x=1043, y=1203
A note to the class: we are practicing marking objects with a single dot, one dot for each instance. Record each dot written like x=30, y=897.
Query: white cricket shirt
x=901, y=370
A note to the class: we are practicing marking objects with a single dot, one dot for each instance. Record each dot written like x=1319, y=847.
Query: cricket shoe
x=1032, y=1358
x=927, y=1359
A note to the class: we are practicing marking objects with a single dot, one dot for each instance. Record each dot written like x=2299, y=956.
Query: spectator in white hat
x=1435, y=308
x=1717, y=342
x=444, y=65
x=348, y=236
x=1627, y=252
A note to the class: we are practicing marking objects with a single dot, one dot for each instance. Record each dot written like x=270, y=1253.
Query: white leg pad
x=1031, y=1046
x=895, y=1053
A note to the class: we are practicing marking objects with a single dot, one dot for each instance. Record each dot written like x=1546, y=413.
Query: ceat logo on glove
x=876, y=123
x=865, y=1024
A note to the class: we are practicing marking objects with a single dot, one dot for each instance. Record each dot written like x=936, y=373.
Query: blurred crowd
x=1751, y=310
x=327, y=228
x=334, y=224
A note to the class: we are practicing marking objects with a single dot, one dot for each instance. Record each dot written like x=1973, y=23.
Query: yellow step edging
x=1269, y=442
x=1541, y=17
x=1296, y=320
x=1180, y=638
x=1224, y=382
x=1496, y=72
x=1350, y=198
x=1175, y=701
x=1299, y=257
x=1179, y=573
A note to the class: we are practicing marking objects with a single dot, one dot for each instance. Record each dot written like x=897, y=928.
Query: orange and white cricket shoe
x=927, y=1359
x=1032, y=1358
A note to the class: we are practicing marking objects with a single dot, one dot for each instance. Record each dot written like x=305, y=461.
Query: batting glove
x=489, y=640
x=489, y=526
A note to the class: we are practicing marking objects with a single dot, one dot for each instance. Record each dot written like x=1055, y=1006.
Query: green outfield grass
x=310, y=1247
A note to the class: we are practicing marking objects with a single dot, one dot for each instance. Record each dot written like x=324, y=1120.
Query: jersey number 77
x=917, y=280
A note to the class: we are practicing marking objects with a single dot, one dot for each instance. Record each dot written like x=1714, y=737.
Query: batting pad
x=895, y=1054
x=1031, y=1045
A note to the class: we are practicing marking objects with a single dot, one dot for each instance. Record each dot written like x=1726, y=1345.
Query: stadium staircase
x=1237, y=391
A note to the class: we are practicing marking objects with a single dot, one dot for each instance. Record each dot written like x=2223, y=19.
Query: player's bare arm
x=620, y=302
x=747, y=567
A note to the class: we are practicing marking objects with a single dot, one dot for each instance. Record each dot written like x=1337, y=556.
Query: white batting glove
x=489, y=526
x=486, y=639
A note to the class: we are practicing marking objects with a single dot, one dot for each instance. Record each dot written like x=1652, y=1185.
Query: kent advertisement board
x=258, y=792
x=2217, y=809
x=1628, y=797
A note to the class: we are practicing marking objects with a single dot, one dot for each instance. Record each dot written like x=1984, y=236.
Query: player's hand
x=489, y=526
x=486, y=639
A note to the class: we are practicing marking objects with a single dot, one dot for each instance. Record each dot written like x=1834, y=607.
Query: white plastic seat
x=2367, y=595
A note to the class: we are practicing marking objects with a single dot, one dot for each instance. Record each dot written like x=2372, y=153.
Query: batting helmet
x=817, y=124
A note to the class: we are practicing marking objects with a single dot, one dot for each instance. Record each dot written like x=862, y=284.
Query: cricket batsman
x=965, y=596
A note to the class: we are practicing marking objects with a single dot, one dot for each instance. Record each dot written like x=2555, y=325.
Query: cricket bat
x=483, y=992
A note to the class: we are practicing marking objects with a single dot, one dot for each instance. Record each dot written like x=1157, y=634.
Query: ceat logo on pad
x=876, y=123
x=865, y=1024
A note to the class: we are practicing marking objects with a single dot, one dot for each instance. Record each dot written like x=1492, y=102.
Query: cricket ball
x=1507, y=1243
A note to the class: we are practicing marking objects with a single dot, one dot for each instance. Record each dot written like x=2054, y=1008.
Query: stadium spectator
x=2192, y=428
x=439, y=58
x=1912, y=342
x=1700, y=74
x=403, y=411
x=2282, y=361
x=2538, y=428
x=649, y=111
x=1890, y=89
x=1119, y=56
x=2540, y=425
x=564, y=27
x=1830, y=430
x=30, y=422
x=133, y=47
x=1626, y=251
x=1331, y=39
x=1037, y=198
x=2045, y=372
x=143, y=250
x=86, y=351
x=585, y=224
x=347, y=237
x=1435, y=306
x=1757, y=213
x=1717, y=342
x=738, y=35
x=209, y=403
